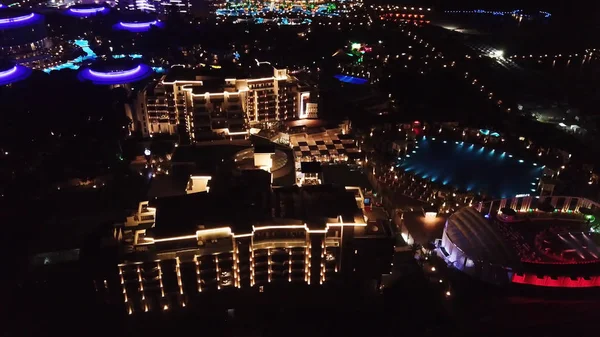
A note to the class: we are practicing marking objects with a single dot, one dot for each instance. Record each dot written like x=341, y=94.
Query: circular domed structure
x=11, y=73
x=510, y=241
x=86, y=10
x=115, y=72
x=137, y=22
x=22, y=34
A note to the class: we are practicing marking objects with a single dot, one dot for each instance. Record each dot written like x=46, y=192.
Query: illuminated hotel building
x=138, y=5
x=180, y=6
x=161, y=7
x=23, y=36
x=289, y=235
x=195, y=106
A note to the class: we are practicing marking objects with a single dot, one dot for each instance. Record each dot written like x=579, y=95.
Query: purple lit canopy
x=14, y=20
x=14, y=73
x=107, y=77
x=137, y=26
x=86, y=10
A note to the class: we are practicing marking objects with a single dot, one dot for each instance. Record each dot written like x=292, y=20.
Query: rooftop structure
x=115, y=73
x=137, y=22
x=86, y=10
x=178, y=247
x=23, y=36
x=11, y=73
x=543, y=241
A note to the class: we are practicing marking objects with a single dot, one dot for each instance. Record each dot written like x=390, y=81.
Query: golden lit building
x=202, y=242
x=195, y=105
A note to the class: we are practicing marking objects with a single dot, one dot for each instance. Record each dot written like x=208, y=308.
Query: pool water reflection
x=472, y=168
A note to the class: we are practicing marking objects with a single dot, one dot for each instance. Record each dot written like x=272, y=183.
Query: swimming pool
x=472, y=168
x=89, y=55
x=351, y=79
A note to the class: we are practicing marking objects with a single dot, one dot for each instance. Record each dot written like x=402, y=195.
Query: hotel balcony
x=144, y=216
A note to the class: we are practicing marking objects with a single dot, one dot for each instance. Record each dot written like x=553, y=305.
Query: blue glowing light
x=463, y=168
x=115, y=77
x=133, y=56
x=14, y=74
x=74, y=64
x=90, y=55
x=351, y=79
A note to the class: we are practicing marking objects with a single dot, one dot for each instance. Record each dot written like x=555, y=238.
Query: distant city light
x=498, y=54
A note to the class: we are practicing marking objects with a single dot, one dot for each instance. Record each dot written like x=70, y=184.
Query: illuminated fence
x=562, y=205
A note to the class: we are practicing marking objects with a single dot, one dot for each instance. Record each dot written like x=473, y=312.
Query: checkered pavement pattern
x=322, y=145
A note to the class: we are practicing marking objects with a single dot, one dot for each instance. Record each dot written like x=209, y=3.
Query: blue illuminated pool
x=472, y=168
x=351, y=79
